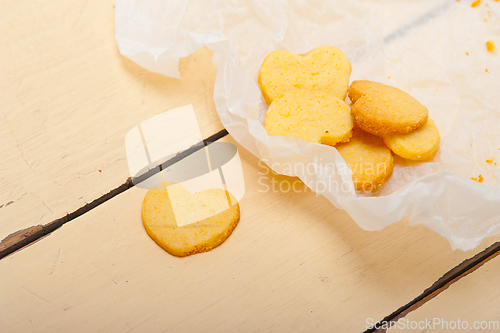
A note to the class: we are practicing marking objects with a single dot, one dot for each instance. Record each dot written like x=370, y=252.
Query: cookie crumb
x=490, y=45
x=479, y=179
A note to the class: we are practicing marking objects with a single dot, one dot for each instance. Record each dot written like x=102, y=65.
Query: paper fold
x=438, y=56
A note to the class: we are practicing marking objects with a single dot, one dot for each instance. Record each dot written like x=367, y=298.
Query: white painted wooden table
x=294, y=263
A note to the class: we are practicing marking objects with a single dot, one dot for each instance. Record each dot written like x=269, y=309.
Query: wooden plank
x=398, y=319
x=25, y=237
x=68, y=98
x=469, y=304
x=293, y=263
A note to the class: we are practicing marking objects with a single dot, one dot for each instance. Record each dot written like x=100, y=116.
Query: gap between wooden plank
x=463, y=269
x=22, y=238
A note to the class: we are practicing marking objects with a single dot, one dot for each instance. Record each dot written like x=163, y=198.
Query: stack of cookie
x=306, y=97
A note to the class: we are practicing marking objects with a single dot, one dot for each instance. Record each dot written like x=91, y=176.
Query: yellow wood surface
x=294, y=263
x=67, y=100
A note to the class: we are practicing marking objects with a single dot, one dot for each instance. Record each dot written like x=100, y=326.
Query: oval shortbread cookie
x=184, y=224
x=421, y=144
x=324, y=69
x=314, y=118
x=381, y=109
x=369, y=159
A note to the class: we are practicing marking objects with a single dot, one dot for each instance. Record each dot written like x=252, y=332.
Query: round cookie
x=313, y=118
x=184, y=224
x=370, y=161
x=421, y=144
x=324, y=69
x=380, y=109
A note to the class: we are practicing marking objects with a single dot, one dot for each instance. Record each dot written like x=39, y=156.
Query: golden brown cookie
x=324, y=69
x=381, y=109
x=183, y=223
x=313, y=118
x=370, y=161
x=419, y=145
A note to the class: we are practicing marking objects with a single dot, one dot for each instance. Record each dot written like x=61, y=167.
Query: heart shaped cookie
x=325, y=69
x=183, y=223
x=313, y=118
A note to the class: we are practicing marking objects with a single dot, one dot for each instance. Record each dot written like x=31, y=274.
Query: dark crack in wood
x=463, y=269
x=22, y=238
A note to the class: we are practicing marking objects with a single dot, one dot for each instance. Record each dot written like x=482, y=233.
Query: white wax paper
x=434, y=50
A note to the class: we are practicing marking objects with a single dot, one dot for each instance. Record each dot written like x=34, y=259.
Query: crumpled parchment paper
x=434, y=50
